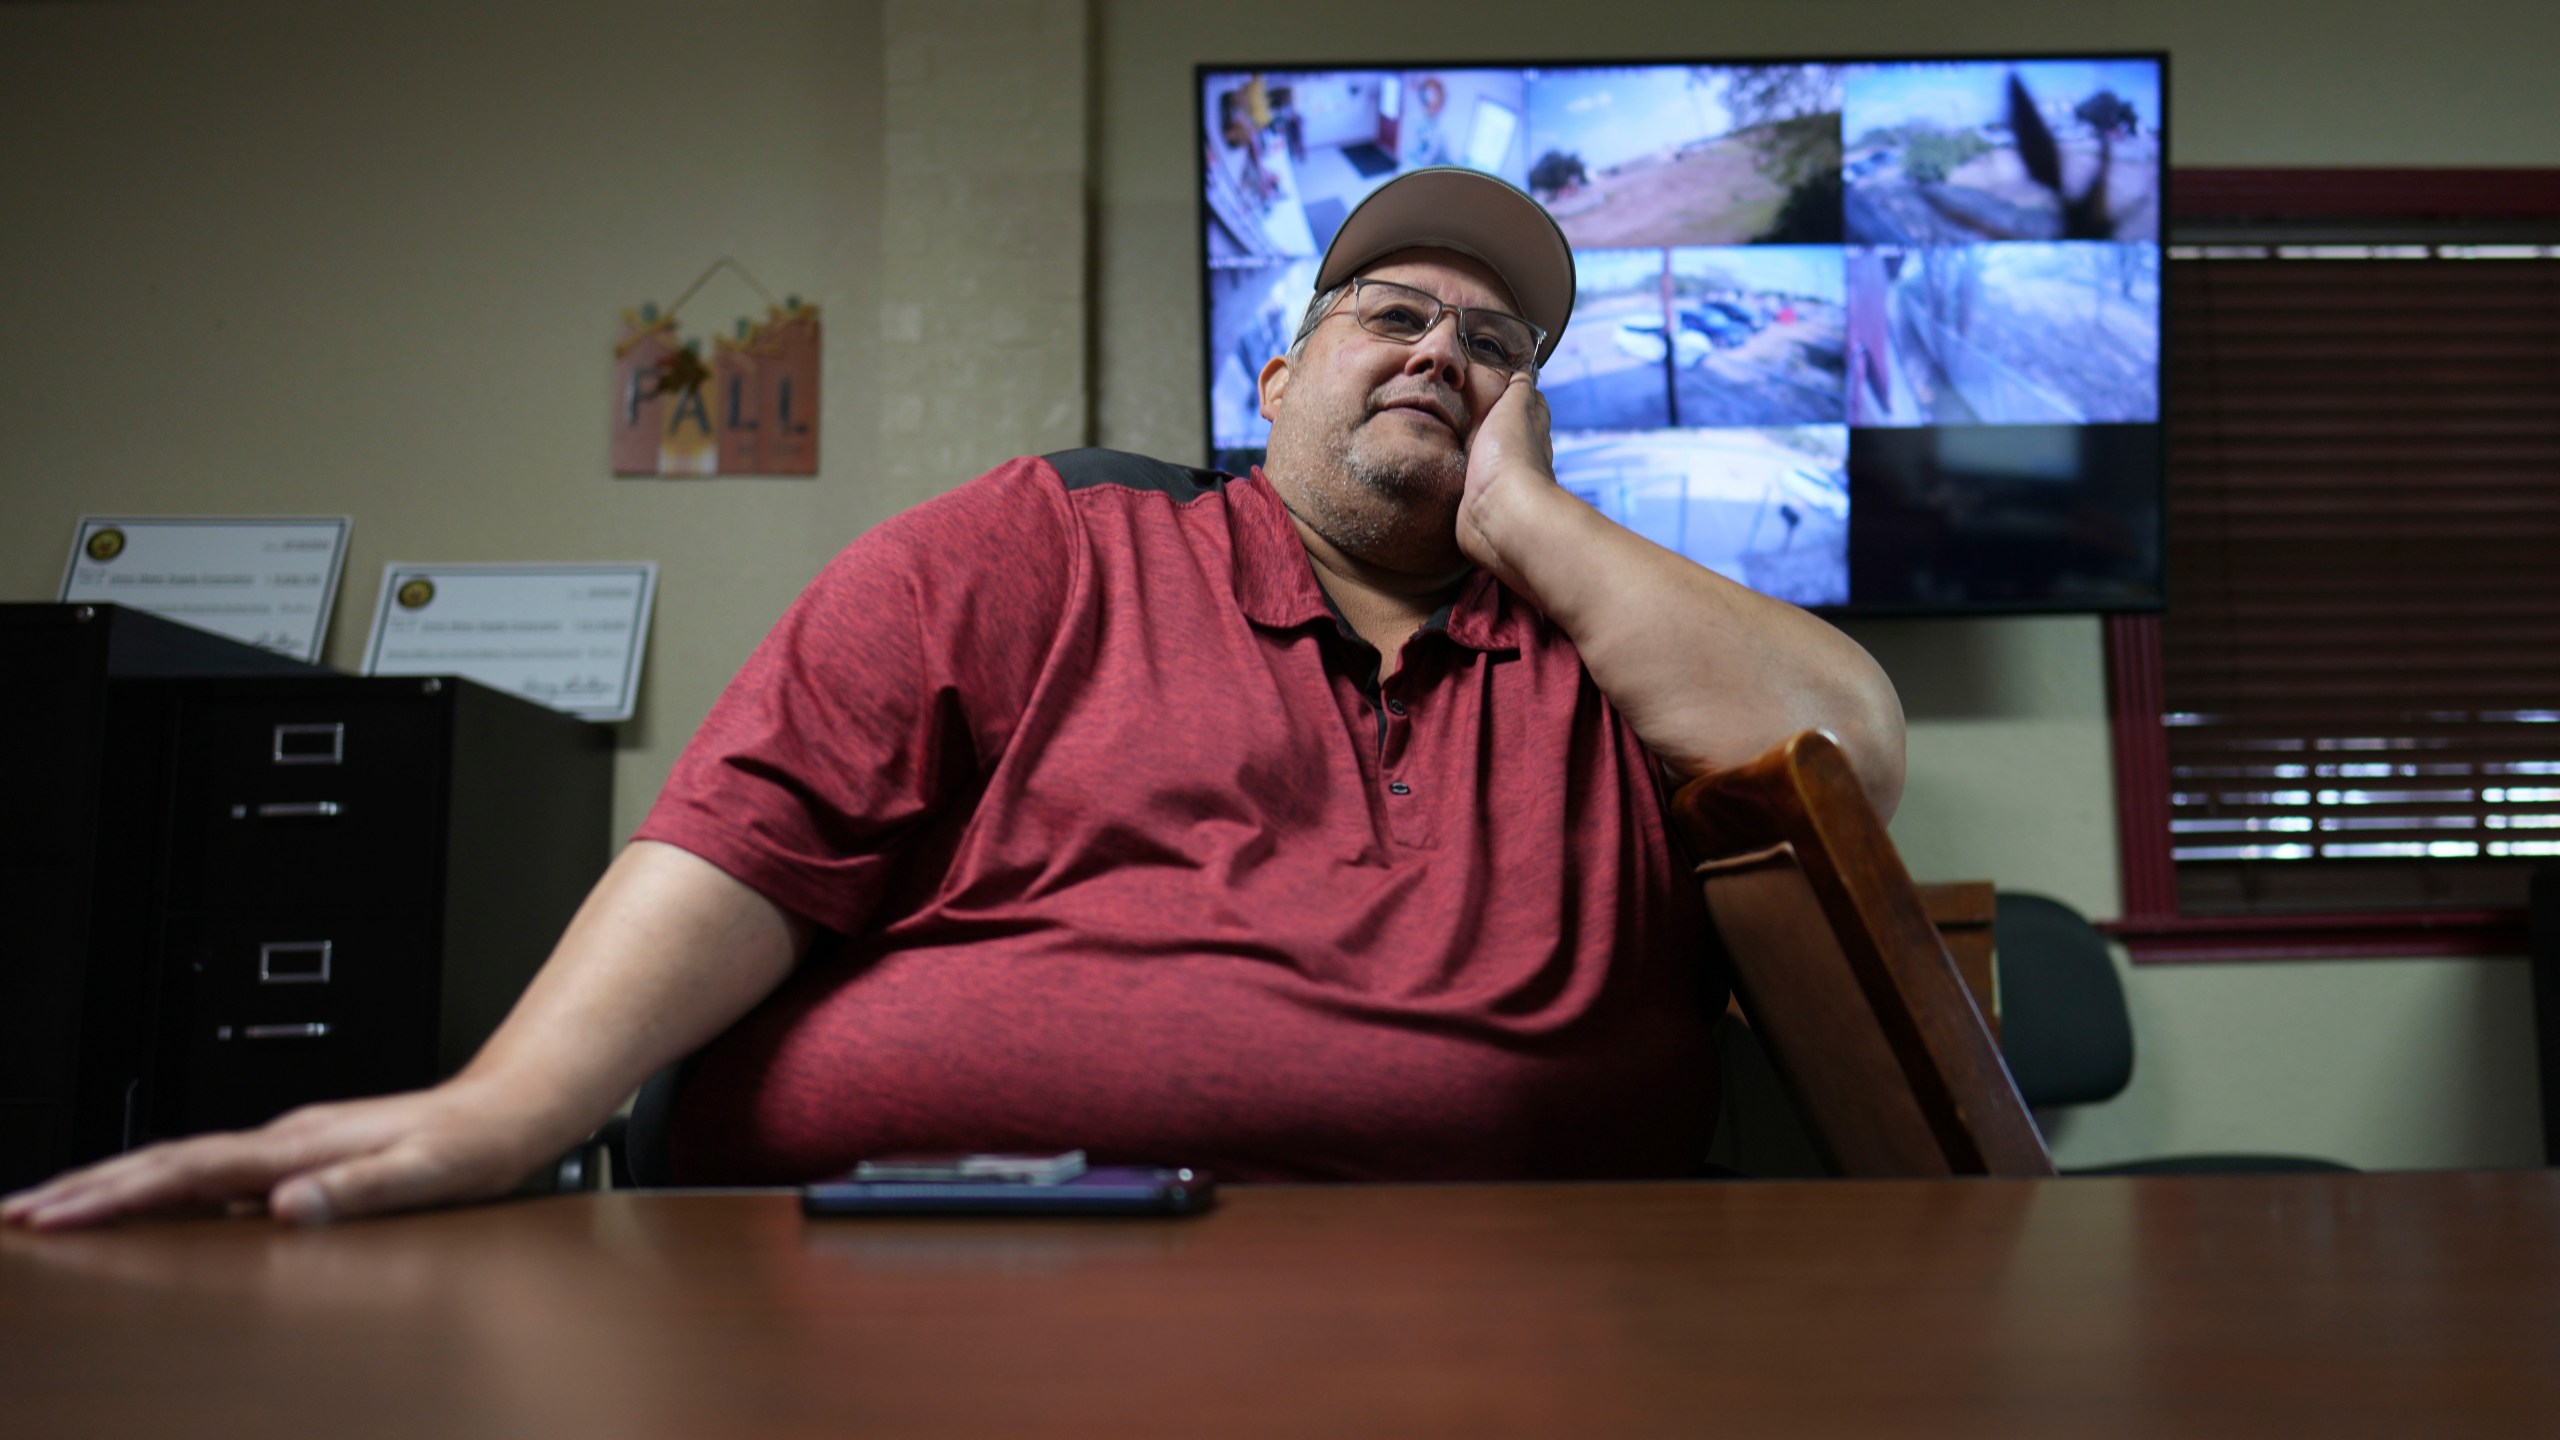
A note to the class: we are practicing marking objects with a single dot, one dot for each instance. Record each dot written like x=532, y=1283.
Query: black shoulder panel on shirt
x=1085, y=469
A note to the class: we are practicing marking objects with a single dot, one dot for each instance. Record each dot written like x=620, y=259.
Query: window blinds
x=2361, y=654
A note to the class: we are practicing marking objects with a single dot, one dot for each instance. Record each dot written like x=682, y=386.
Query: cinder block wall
x=980, y=351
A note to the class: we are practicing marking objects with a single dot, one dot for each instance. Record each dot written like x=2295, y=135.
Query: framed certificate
x=569, y=636
x=267, y=581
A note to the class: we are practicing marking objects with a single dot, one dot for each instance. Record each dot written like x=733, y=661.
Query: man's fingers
x=319, y=1163
x=16, y=1209
x=1524, y=435
x=203, y=1171
x=78, y=1190
x=206, y=1170
x=1541, y=425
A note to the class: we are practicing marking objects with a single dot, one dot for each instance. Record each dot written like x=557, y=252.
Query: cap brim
x=1447, y=207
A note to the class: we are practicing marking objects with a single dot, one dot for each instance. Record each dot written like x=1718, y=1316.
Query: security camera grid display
x=1873, y=336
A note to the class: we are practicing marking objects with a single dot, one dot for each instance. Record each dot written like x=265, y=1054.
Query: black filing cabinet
x=82, y=790
x=238, y=884
x=360, y=877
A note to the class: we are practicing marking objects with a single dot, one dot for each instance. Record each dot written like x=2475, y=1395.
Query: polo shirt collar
x=1276, y=587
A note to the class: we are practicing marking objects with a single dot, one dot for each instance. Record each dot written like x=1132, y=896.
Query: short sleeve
x=881, y=698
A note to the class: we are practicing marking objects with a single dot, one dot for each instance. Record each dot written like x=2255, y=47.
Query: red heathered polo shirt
x=1128, y=850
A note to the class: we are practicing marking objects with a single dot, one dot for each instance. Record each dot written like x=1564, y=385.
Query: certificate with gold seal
x=265, y=580
x=570, y=636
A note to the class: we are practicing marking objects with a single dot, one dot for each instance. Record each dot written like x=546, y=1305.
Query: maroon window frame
x=2152, y=930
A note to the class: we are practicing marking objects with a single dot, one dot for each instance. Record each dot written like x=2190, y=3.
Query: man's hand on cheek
x=1510, y=470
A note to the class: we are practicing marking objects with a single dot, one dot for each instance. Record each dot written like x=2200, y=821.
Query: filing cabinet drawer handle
x=311, y=744
x=299, y=810
x=313, y=1031
x=294, y=962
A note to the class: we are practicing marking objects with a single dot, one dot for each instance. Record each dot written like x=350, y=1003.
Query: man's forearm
x=665, y=953
x=1709, y=672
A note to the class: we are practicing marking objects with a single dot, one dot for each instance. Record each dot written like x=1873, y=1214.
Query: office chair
x=1845, y=982
x=646, y=1158
x=631, y=1149
x=2068, y=1035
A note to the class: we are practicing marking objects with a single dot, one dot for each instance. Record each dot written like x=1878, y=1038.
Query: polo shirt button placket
x=1408, y=820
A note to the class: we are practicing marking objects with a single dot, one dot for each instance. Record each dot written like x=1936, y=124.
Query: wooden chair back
x=1842, y=976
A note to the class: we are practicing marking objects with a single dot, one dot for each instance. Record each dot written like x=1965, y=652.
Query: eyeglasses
x=1495, y=339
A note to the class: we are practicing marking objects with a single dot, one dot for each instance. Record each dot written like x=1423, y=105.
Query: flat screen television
x=1871, y=335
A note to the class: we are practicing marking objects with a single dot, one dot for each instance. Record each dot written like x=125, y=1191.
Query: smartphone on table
x=987, y=1184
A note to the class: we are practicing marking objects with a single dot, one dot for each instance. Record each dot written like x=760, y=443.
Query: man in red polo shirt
x=1300, y=825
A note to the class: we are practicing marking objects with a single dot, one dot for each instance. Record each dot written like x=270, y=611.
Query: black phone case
x=1102, y=1190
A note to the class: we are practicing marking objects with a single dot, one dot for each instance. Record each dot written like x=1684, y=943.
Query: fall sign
x=750, y=409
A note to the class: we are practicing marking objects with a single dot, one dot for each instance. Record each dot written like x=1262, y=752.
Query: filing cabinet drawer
x=322, y=801
x=266, y=1012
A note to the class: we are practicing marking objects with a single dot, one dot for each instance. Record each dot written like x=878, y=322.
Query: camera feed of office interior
x=1869, y=336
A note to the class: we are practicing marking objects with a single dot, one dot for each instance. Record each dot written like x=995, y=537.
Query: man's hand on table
x=664, y=955
x=320, y=1163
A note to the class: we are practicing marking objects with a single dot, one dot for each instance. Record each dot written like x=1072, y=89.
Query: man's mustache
x=1438, y=399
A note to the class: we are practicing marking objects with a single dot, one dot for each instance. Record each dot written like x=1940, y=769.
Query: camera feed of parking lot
x=1771, y=260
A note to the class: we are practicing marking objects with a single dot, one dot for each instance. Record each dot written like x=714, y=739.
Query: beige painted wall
x=2386, y=1064
x=289, y=256
x=311, y=258
x=301, y=257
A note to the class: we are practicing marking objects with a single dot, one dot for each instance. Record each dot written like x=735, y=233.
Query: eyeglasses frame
x=1537, y=333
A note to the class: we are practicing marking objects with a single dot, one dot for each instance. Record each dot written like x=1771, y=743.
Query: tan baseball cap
x=1449, y=207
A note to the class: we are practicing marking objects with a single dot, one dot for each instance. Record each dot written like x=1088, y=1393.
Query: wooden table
x=2402, y=1305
